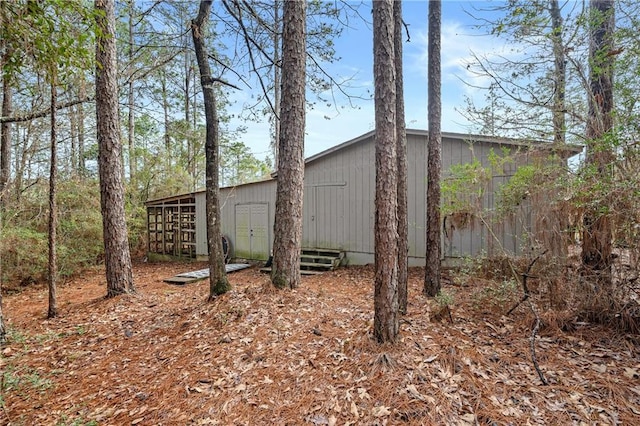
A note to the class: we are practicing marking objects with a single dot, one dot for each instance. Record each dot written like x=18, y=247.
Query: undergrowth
x=24, y=231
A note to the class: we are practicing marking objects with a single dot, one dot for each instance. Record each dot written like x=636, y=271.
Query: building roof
x=566, y=151
x=569, y=150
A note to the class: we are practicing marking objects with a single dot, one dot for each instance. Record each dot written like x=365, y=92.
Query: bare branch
x=213, y=80
x=249, y=41
x=45, y=112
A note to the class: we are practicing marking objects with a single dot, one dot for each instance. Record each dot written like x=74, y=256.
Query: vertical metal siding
x=340, y=187
x=258, y=192
x=201, y=224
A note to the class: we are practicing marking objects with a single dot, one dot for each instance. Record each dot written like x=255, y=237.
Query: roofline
x=172, y=197
x=575, y=149
x=569, y=150
x=200, y=191
x=341, y=146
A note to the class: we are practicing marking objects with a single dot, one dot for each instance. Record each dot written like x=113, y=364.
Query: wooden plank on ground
x=201, y=274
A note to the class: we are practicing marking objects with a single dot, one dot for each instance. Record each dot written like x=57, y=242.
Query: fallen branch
x=532, y=342
x=525, y=288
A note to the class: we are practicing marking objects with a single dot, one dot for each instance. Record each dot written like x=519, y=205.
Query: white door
x=252, y=231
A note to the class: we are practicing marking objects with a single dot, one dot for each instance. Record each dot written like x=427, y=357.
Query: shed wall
x=201, y=224
x=255, y=193
x=339, y=199
x=340, y=196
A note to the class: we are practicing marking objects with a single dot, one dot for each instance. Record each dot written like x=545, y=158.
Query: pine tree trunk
x=119, y=273
x=73, y=134
x=165, y=111
x=3, y=328
x=276, y=81
x=560, y=74
x=218, y=282
x=434, y=162
x=287, y=242
x=53, y=211
x=5, y=137
x=401, y=140
x=385, y=322
x=597, y=235
x=82, y=168
x=5, y=166
x=130, y=103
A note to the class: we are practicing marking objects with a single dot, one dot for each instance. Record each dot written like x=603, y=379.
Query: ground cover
x=259, y=356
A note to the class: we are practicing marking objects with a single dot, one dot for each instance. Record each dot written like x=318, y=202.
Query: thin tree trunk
x=5, y=137
x=385, y=321
x=5, y=165
x=53, y=210
x=560, y=72
x=218, y=282
x=82, y=168
x=401, y=140
x=597, y=235
x=276, y=80
x=188, y=139
x=118, y=267
x=165, y=110
x=434, y=162
x=287, y=242
x=73, y=133
x=131, y=135
x=21, y=160
x=131, y=103
x=3, y=329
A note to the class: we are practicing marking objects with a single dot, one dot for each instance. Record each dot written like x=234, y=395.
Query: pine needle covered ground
x=305, y=357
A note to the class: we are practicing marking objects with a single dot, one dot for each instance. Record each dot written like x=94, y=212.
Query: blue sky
x=355, y=49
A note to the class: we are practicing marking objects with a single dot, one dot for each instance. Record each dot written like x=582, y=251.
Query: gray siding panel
x=339, y=209
x=417, y=193
x=201, y=224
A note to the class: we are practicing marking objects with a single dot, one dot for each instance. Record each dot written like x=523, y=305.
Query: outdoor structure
x=339, y=198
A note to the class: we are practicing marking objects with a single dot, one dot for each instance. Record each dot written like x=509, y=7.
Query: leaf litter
x=165, y=356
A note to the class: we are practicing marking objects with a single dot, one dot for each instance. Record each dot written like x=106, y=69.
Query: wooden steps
x=315, y=261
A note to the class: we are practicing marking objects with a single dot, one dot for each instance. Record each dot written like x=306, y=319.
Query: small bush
x=24, y=243
x=499, y=294
x=24, y=254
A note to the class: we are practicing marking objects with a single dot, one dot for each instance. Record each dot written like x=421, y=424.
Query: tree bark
x=385, y=323
x=82, y=168
x=5, y=165
x=73, y=149
x=5, y=136
x=434, y=162
x=597, y=234
x=119, y=273
x=53, y=210
x=560, y=71
x=218, y=282
x=131, y=102
x=401, y=140
x=3, y=329
x=276, y=81
x=165, y=112
x=290, y=188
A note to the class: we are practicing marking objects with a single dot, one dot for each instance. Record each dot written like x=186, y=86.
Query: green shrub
x=24, y=241
x=24, y=254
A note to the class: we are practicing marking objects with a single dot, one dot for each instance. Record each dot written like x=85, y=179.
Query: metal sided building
x=339, y=194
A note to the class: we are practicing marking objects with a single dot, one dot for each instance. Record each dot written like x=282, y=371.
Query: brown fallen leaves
x=259, y=356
